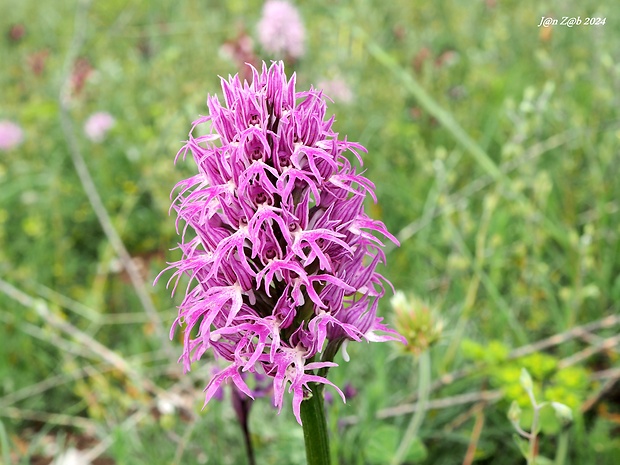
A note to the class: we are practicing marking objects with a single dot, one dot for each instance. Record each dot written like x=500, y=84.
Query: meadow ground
x=494, y=147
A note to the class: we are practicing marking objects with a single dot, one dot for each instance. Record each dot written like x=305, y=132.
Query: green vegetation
x=495, y=149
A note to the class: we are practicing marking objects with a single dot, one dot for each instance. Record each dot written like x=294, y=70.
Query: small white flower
x=71, y=457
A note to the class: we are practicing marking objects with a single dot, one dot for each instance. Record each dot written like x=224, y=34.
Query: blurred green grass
x=505, y=260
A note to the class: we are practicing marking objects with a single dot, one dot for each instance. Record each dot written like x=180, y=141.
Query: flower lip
x=293, y=227
x=284, y=160
x=261, y=197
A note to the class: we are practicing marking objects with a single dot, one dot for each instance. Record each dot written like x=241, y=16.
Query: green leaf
x=542, y=460
x=514, y=413
x=526, y=380
x=563, y=412
x=548, y=422
x=523, y=444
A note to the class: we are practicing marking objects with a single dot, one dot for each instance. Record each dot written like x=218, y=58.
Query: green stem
x=562, y=449
x=328, y=355
x=424, y=385
x=315, y=427
x=531, y=459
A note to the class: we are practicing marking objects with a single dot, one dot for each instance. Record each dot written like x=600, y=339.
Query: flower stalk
x=314, y=424
x=424, y=389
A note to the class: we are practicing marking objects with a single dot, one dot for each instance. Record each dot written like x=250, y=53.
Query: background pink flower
x=280, y=30
x=97, y=125
x=11, y=135
x=337, y=89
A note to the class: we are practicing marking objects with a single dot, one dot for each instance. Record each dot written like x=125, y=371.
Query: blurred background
x=494, y=147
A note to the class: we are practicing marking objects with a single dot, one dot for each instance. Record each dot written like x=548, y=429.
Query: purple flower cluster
x=282, y=262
